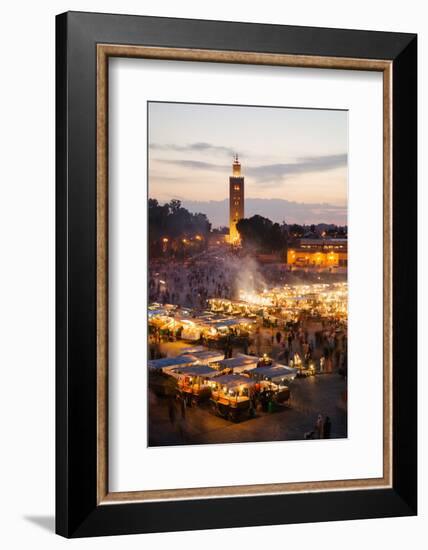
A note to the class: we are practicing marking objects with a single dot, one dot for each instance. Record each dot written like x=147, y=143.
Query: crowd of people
x=191, y=283
x=325, y=349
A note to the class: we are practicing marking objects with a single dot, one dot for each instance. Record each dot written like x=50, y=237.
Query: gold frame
x=104, y=51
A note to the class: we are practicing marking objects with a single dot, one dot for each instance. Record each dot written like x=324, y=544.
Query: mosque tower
x=236, y=200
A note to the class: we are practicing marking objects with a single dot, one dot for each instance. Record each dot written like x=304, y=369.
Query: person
x=327, y=428
x=253, y=405
x=286, y=352
x=183, y=409
x=246, y=345
x=171, y=410
x=305, y=348
x=319, y=427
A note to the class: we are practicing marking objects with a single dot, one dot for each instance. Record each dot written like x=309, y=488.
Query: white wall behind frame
x=27, y=303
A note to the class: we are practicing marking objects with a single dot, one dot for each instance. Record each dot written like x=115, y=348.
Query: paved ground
x=310, y=396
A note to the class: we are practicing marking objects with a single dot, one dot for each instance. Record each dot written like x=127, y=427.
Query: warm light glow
x=326, y=300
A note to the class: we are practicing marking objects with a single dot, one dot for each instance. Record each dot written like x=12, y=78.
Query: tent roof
x=170, y=362
x=232, y=380
x=273, y=372
x=197, y=370
x=205, y=354
x=238, y=362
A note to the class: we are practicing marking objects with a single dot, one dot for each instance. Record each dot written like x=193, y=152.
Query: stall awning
x=170, y=362
x=273, y=372
x=238, y=362
x=197, y=370
x=207, y=356
x=233, y=380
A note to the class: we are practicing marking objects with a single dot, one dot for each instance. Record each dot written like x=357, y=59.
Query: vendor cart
x=232, y=397
x=274, y=383
x=193, y=383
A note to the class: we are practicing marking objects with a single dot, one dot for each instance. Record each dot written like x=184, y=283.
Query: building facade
x=318, y=253
x=236, y=200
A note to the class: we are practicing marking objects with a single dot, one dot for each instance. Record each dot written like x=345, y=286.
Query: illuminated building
x=236, y=200
x=319, y=253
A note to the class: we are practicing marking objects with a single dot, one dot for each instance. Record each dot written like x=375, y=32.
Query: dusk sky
x=298, y=156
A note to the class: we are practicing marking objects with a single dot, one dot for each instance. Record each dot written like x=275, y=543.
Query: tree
x=296, y=230
x=261, y=234
x=174, y=206
x=171, y=226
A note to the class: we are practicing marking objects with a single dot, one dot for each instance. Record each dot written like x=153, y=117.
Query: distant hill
x=277, y=210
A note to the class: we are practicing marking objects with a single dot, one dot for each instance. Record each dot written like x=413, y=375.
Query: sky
x=294, y=160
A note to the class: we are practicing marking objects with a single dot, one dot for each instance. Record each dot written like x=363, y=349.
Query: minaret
x=236, y=200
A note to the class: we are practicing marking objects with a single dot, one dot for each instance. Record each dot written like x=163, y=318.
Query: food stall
x=191, y=329
x=193, y=382
x=238, y=364
x=192, y=349
x=206, y=356
x=159, y=320
x=231, y=396
x=288, y=303
x=167, y=364
x=274, y=380
x=158, y=374
x=302, y=371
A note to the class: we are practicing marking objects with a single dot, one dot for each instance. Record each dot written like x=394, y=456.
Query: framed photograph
x=236, y=274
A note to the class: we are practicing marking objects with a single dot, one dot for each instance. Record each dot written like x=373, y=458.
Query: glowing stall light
x=254, y=298
x=326, y=300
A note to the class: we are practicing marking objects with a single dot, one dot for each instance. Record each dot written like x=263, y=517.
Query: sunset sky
x=298, y=156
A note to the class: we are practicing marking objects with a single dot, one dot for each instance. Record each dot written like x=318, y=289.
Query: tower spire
x=236, y=166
